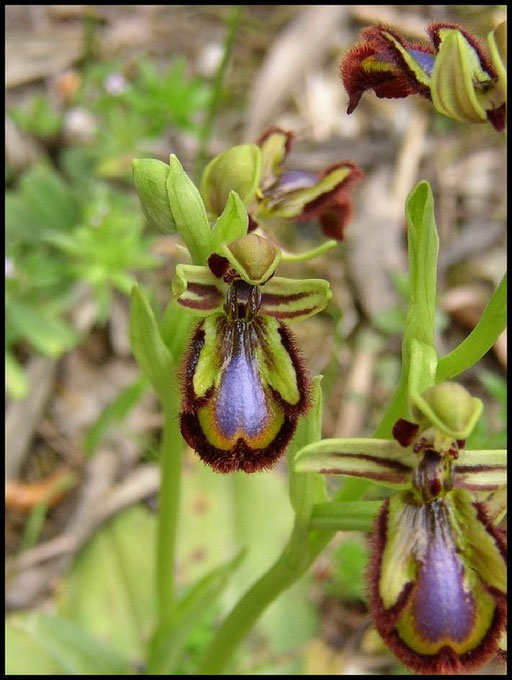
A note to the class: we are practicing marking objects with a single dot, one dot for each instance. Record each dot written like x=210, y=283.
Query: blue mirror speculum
x=244, y=381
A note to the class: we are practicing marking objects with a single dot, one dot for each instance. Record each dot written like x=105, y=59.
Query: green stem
x=171, y=448
x=348, y=516
x=483, y=336
x=297, y=557
x=206, y=130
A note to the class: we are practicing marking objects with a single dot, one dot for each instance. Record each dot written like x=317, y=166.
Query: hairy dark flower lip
x=241, y=455
x=446, y=660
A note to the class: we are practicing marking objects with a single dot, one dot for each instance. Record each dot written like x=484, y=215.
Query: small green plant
x=57, y=238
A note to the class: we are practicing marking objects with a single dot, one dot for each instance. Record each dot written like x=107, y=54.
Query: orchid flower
x=437, y=577
x=244, y=380
x=453, y=70
x=257, y=172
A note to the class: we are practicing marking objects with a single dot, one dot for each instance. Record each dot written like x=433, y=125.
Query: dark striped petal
x=294, y=300
x=438, y=582
x=197, y=289
x=481, y=470
x=379, y=460
x=244, y=387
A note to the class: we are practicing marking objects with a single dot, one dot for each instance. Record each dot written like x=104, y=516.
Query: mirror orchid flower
x=257, y=172
x=453, y=70
x=437, y=577
x=244, y=381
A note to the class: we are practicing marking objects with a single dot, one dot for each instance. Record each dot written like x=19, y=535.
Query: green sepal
x=481, y=470
x=294, y=299
x=448, y=407
x=188, y=211
x=254, y=258
x=378, y=460
x=273, y=153
x=497, y=40
x=150, y=176
x=237, y=169
x=291, y=204
x=457, y=72
x=232, y=223
x=197, y=289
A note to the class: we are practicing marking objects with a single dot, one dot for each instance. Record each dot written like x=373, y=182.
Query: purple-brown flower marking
x=303, y=195
x=453, y=70
x=244, y=381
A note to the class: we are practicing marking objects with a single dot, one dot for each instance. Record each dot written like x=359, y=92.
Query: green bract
x=150, y=177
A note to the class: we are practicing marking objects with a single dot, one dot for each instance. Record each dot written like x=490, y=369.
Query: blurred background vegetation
x=88, y=89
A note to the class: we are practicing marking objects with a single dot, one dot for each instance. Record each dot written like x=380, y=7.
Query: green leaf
x=237, y=169
x=23, y=654
x=69, y=646
x=109, y=590
x=305, y=490
x=150, y=178
x=113, y=413
x=49, y=199
x=490, y=326
x=49, y=336
x=153, y=357
x=188, y=211
x=169, y=644
x=232, y=223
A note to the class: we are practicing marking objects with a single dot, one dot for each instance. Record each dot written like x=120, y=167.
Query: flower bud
x=150, y=177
